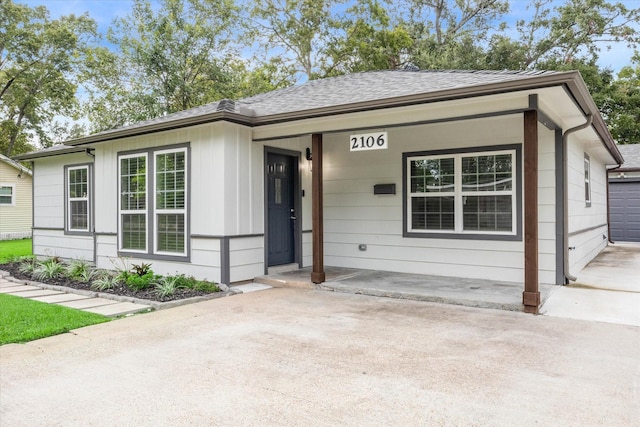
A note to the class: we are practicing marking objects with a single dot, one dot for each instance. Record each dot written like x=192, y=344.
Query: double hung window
x=153, y=202
x=462, y=193
x=7, y=194
x=78, y=189
x=587, y=180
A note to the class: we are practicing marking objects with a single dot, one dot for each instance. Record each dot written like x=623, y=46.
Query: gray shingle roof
x=631, y=154
x=371, y=86
x=341, y=90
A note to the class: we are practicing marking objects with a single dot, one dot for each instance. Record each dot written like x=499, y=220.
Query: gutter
x=608, y=205
x=565, y=208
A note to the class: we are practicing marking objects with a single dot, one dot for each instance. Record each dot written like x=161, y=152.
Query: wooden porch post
x=531, y=294
x=317, y=275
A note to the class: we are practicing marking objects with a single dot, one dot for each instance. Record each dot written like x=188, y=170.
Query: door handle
x=293, y=217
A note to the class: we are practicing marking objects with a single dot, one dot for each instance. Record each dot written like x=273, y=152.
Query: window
x=153, y=202
x=170, y=201
x=453, y=194
x=7, y=195
x=587, y=180
x=78, y=188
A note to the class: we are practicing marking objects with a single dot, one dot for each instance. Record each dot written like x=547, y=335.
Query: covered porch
x=447, y=290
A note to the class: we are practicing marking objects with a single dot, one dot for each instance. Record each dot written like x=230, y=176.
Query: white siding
x=587, y=224
x=546, y=206
x=246, y=258
x=15, y=219
x=354, y=215
x=49, y=238
x=48, y=243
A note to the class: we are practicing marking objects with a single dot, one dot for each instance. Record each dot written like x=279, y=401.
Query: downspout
x=608, y=207
x=565, y=174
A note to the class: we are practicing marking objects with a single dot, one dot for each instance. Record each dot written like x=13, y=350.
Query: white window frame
x=13, y=194
x=86, y=198
x=587, y=180
x=157, y=211
x=459, y=194
x=122, y=211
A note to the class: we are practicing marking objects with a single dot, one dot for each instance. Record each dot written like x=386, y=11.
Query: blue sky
x=105, y=11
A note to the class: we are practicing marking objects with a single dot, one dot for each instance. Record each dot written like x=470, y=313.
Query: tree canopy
x=169, y=55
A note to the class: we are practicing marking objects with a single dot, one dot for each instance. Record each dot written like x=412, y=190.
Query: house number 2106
x=369, y=141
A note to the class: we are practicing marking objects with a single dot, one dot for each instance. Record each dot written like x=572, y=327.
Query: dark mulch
x=121, y=289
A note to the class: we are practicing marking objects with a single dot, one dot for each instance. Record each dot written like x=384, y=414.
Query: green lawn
x=14, y=248
x=23, y=320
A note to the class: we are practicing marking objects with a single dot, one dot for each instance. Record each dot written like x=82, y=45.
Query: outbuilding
x=15, y=200
x=476, y=174
x=624, y=196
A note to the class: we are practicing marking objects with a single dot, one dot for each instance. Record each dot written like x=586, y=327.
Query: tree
x=575, y=30
x=368, y=41
x=39, y=63
x=298, y=32
x=622, y=110
x=450, y=34
x=168, y=60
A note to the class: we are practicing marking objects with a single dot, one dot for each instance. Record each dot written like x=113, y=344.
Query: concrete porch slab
x=448, y=290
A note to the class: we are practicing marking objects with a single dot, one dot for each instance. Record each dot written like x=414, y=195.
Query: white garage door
x=624, y=198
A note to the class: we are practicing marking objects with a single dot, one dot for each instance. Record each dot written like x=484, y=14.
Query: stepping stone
x=251, y=287
x=87, y=302
x=62, y=297
x=18, y=288
x=118, y=309
x=35, y=293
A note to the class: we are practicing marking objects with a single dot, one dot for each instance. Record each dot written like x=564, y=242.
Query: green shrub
x=78, y=268
x=105, y=281
x=27, y=266
x=48, y=269
x=167, y=286
x=139, y=283
x=192, y=283
x=141, y=269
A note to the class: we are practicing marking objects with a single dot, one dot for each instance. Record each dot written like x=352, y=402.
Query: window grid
x=6, y=195
x=475, y=195
x=78, y=186
x=170, y=202
x=587, y=180
x=133, y=203
x=157, y=225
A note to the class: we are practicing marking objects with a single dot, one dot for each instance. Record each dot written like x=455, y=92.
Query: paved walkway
x=607, y=289
x=94, y=304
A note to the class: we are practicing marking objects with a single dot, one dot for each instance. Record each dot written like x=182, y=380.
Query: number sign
x=368, y=141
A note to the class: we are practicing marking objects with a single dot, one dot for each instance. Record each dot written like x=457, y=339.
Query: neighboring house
x=624, y=196
x=488, y=175
x=15, y=200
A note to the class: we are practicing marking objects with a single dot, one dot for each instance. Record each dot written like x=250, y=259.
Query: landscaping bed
x=137, y=281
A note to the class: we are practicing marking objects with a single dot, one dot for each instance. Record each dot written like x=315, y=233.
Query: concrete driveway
x=606, y=290
x=312, y=358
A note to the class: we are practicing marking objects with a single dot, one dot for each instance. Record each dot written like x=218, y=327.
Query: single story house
x=624, y=196
x=477, y=174
x=15, y=200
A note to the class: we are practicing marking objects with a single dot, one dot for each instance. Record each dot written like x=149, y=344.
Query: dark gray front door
x=281, y=216
x=624, y=199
